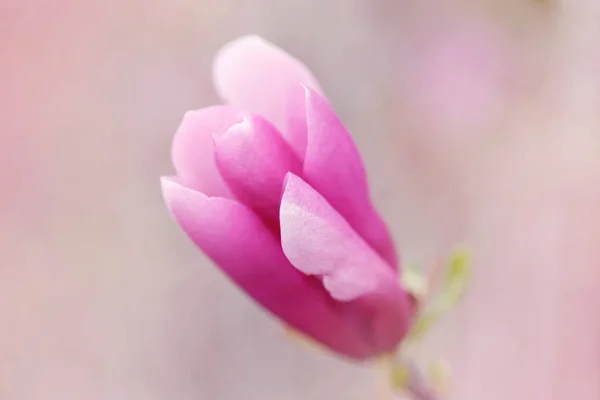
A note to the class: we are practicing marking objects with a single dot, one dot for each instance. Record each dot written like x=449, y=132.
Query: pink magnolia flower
x=271, y=187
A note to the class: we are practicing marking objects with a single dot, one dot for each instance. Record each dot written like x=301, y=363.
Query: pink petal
x=238, y=242
x=253, y=159
x=259, y=77
x=333, y=167
x=318, y=241
x=193, y=149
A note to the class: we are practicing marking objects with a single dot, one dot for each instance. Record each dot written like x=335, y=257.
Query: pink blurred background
x=101, y=295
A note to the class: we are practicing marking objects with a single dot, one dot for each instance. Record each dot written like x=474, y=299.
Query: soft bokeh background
x=102, y=297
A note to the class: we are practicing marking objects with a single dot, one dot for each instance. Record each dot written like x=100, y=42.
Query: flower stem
x=404, y=377
x=417, y=388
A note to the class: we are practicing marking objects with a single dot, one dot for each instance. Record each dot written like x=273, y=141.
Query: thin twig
x=416, y=387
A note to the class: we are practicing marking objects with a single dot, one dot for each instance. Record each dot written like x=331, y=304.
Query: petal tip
x=174, y=191
x=233, y=54
x=288, y=180
x=285, y=186
x=313, y=97
x=189, y=114
x=168, y=183
x=169, y=186
x=244, y=126
x=309, y=93
x=305, y=88
x=242, y=41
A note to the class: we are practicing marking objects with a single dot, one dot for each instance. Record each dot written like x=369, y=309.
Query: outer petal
x=193, y=148
x=259, y=77
x=318, y=241
x=238, y=242
x=332, y=166
x=253, y=159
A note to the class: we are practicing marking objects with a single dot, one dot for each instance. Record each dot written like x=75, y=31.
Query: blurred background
x=101, y=295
